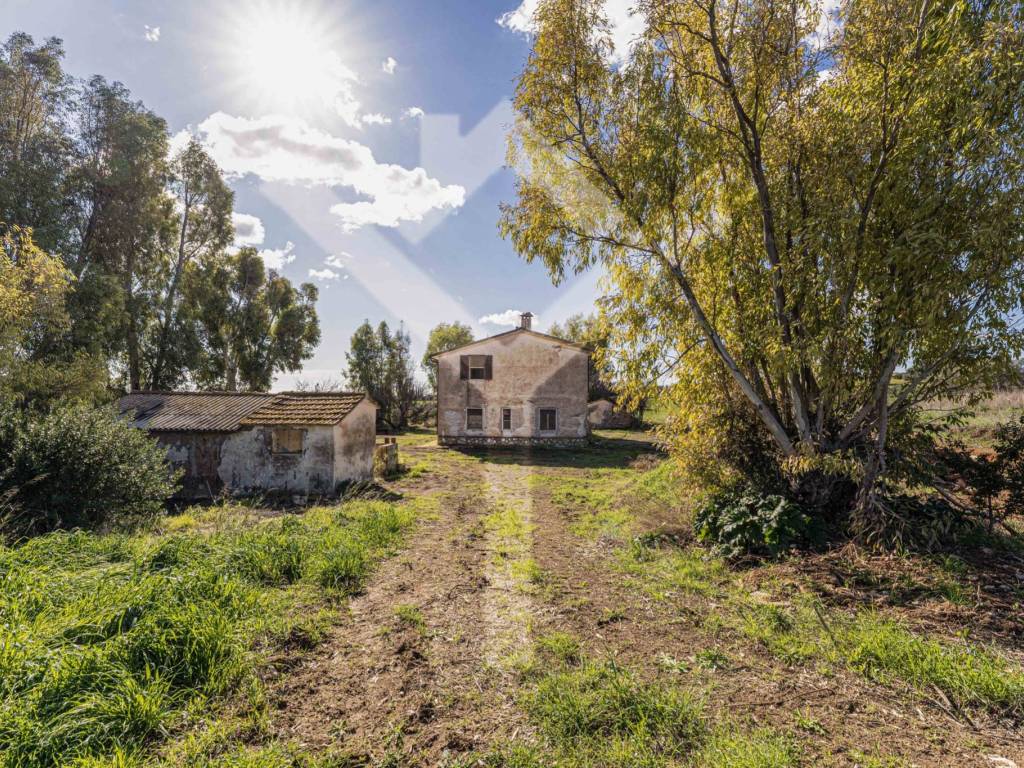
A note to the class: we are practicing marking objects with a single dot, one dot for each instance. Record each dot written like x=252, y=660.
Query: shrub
x=83, y=468
x=745, y=522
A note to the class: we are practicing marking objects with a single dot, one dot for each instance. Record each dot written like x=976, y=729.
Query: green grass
x=106, y=642
x=884, y=650
x=411, y=616
x=599, y=714
x=802, y=630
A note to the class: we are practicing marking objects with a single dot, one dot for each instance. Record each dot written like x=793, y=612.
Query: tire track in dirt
x=420, y=692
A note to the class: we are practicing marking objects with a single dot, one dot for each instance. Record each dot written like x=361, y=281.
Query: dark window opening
x=475, y=367
x=547, y=419
x=506, y=418
x=474, y=418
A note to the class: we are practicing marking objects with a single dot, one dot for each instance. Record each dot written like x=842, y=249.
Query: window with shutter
x=474, y=418
x=479, y=366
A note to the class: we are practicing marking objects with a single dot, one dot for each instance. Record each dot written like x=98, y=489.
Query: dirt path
x=423, y=669
x=420, y=669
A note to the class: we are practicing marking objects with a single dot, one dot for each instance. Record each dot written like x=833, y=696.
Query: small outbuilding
x=243, y=443
x=604, y=414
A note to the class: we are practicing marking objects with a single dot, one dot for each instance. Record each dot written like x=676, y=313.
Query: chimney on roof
x=526, y=320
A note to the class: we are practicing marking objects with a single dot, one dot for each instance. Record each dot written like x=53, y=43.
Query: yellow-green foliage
x=106, y=640
x=735, y=200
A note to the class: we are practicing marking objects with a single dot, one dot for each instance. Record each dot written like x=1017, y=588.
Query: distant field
x=980, y=420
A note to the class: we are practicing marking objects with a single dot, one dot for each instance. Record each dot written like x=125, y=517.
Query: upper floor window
x=548, y=419
x=475, y=367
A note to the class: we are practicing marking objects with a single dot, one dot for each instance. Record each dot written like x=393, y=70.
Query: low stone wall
x=385, y=458
x=505, y=441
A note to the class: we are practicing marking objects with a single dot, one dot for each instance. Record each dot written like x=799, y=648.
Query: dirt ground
x=424, y=667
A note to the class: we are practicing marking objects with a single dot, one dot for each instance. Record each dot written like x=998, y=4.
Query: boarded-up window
x=547, y=420
x=506, y=418
x=474, y=418
x=475, y=367
x=287, y=440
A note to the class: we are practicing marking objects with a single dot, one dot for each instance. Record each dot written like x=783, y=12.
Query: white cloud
x=413, y=112
x=152, y=34
x=625, y=25
x=287, y=149
x=337, y=260
x=276, y=259
x=248, y=229
x=324, y=274
x=388, y=65
x=828, y=22
x=508, y=317
x=375, y=118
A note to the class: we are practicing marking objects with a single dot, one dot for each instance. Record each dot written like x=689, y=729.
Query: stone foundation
x=507, y=441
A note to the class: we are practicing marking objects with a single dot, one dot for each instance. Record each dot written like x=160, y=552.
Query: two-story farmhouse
x=520, y=387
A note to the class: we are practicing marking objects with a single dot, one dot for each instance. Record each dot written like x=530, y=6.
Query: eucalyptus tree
x=788, y=214
x=202, y=212
x=251, y=323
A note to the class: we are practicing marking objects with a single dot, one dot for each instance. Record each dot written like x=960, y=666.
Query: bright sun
x=285, y=58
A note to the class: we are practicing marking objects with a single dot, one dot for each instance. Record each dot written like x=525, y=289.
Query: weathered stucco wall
x=248, y=466
x=198, y=454
x=354, y=440
x=528, y=373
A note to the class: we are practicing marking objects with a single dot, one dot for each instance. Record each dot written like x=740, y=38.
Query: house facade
x=297, y=443
x=516, y=388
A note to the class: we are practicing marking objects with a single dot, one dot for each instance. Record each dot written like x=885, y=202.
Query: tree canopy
x=151, y=293
x=443, y=337
x=787, y=218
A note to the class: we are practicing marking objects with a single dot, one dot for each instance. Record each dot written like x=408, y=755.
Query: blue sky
x=392, y=114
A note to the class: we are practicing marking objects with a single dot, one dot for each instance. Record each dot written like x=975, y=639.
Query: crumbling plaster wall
x=355, y=438
x=528, y=373
x=247, y=464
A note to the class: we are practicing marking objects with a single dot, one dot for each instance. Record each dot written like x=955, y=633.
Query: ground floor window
x=506, y=418
x=548, y=419
x=284, y=441
x=474, y=418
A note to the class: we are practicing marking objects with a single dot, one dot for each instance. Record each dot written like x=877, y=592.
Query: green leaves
x=784, y=219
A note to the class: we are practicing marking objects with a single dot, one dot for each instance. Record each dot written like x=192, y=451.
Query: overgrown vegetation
x=780, y=243
x=744, y=522
x=108, y=643
x=78, y=467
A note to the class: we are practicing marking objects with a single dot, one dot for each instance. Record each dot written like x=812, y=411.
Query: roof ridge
x=196, y=392
x=548, y=336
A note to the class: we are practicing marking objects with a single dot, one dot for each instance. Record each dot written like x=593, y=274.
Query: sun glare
x=285, y=57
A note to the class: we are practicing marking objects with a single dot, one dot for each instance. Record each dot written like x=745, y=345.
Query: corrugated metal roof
x=191, y=411
x=298, y=408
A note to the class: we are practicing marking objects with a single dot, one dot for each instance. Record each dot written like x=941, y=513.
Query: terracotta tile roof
x=298, y=408
x=190, y=411
x=227, y=411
